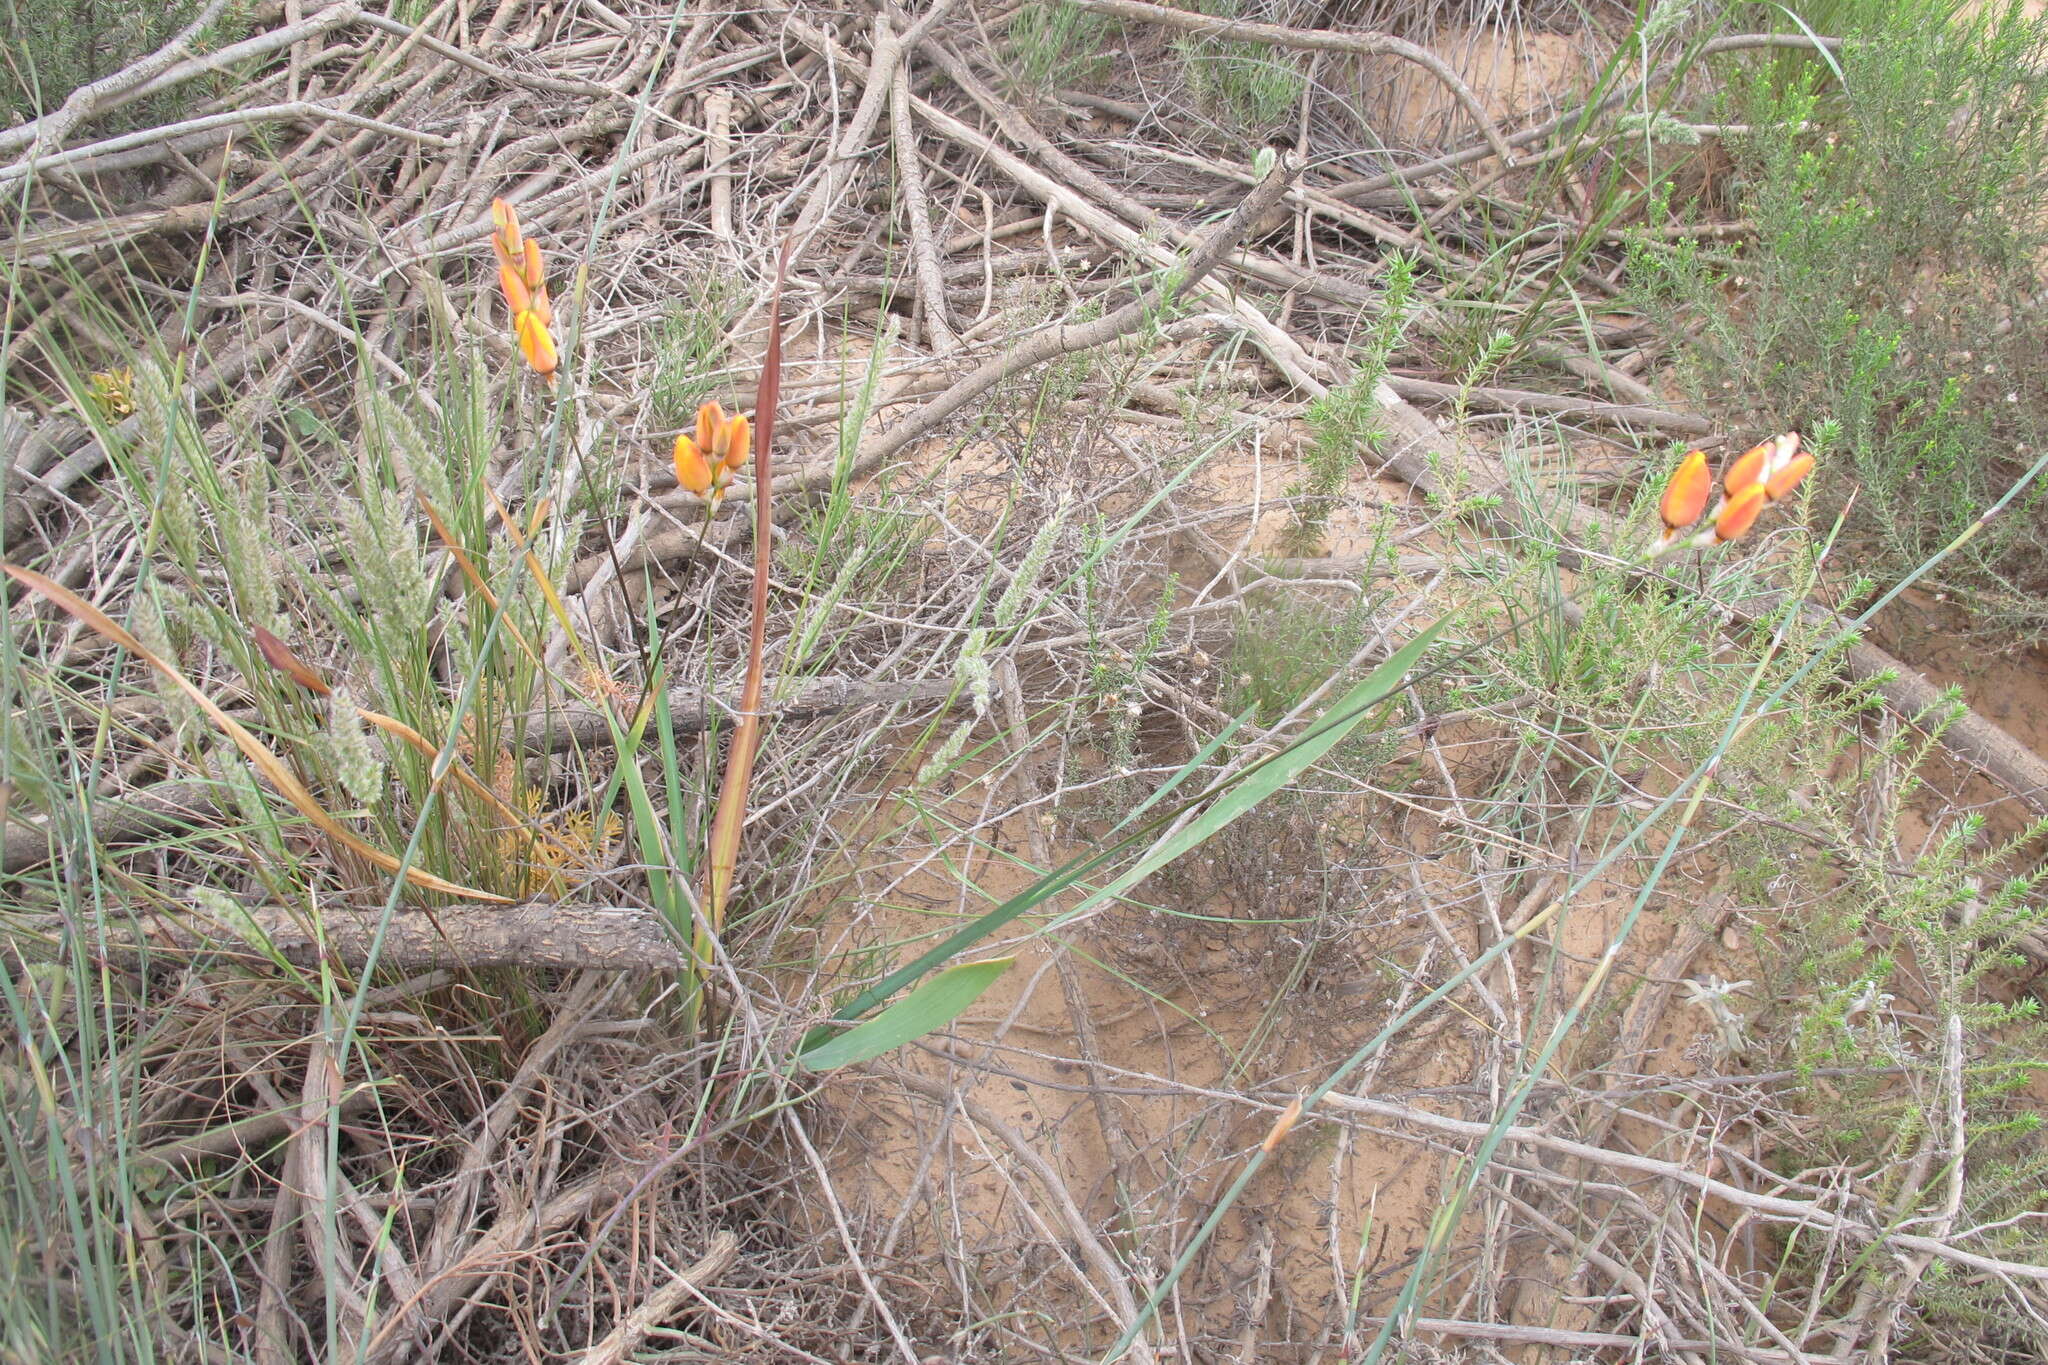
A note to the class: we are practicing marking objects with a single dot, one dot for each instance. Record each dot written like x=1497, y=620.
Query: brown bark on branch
x=534, y=934
x=182, y=802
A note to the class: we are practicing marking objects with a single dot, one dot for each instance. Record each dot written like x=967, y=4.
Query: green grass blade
x=1239, y=794
x=933, y=1005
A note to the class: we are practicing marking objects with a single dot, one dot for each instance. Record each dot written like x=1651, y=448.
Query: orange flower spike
x=1686, y=493
x=738, y=436
x=691, y=470
x=1788, y=478
x=1737, y=517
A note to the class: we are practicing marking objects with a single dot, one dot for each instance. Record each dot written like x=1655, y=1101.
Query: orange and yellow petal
x=1739, y=514
x=506, y=241
x=1686, y=493
x=517, y=297
x=536, y=343
x=710, y=425
x=505, y=220
x=691, y=470
x=738, y=437
x=1746, y=470
x=530, y=261
x=1788, y=478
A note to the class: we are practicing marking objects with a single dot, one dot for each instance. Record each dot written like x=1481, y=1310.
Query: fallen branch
x=626, y=1338
x=1152, y=302
x=1527, y=400
x=244, y=1136
x=188, y=803
x=1644, y=1348
x=1312, y=40
x=539, y=934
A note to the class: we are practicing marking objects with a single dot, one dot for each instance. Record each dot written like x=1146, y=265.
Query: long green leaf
x=1233, y=797
x=935, y=1004
x=1271, y=775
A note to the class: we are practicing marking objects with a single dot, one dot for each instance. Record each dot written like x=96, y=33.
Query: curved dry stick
x=511, y=1235
x=1313, y=40
x=942, y=336
x=1526, y=400
x=46, y=133
x=293, y=111
x=625, y=1338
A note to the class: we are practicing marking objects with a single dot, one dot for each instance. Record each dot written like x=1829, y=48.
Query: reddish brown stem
x=739, y=763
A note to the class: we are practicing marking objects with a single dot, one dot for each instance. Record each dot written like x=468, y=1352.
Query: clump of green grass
x=690, y=348
x=1248, y=87
x=1286, y=645
x=1054, y=44
x=1891, y=281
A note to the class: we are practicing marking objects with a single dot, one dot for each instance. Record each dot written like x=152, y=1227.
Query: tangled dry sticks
x=1096, y=281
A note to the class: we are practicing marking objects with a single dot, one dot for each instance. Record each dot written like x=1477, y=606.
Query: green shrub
x=48, y=48
x=1345, y=422
x=1897, y=215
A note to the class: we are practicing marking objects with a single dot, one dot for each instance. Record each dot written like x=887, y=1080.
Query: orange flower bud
x=537, y=344
x=531, y=264
x=1787, y=479
x=1746, y=469
x=1760, y=463
x=1737, y=516
x=1686, y=493
x=517, y=297
x=506, y=219
x=710, y=423
x=506, y=240
x=691, y=471
x=737, y=438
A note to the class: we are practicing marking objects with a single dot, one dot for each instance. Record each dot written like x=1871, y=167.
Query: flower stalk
x=739, y=762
